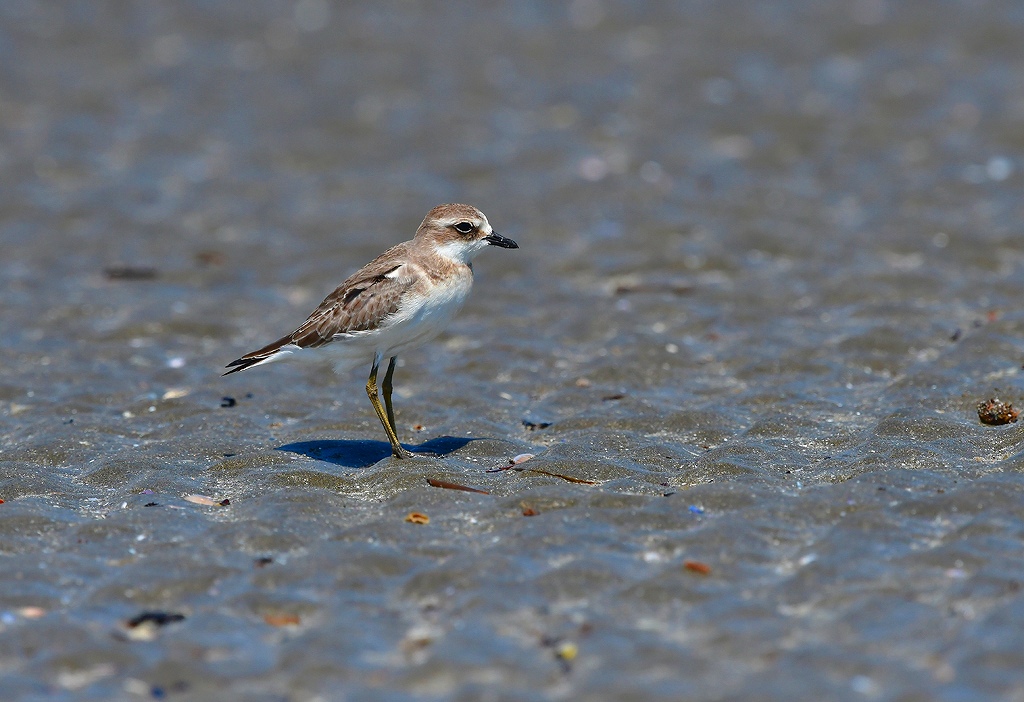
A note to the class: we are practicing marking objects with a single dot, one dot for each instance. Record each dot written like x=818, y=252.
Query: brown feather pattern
x=363, y=302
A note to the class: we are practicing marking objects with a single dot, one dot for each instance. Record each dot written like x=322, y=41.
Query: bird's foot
x=401, y=452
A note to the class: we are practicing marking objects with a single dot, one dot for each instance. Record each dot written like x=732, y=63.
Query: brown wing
x=359, y=304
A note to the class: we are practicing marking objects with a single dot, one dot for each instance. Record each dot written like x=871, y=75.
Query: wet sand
x=770, y=265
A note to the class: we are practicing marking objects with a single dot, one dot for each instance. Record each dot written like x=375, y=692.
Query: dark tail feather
x=254, y=357
x=241, y=364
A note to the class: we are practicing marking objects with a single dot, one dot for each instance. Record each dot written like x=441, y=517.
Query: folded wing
x=361, y=303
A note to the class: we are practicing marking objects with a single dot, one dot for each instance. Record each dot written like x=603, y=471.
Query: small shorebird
x=396, y=302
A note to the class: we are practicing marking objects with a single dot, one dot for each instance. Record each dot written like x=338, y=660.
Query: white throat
x=461, y=251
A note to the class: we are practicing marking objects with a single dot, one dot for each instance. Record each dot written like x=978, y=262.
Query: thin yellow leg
x=371, y=392
x=385, y=390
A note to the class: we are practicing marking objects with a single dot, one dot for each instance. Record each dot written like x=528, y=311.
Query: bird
x=395, y=303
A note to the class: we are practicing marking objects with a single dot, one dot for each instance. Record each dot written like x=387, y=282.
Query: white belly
x=420, y=318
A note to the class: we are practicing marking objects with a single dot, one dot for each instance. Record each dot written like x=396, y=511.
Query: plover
x=396, y=302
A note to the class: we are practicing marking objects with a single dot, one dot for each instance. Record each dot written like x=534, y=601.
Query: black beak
x=495, y=239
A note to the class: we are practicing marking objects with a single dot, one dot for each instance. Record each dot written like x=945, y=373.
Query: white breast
x=423, y=315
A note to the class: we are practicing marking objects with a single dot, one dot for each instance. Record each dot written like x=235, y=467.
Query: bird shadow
x=360, y=453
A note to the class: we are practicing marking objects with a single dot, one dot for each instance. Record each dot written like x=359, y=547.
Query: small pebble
x=995, y=412
x=697, y=567
x=208, y=501
x=567, y=651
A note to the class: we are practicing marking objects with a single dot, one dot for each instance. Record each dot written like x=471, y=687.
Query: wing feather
x=361, y=303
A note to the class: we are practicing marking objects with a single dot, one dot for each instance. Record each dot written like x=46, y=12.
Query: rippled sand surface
x=771, y=262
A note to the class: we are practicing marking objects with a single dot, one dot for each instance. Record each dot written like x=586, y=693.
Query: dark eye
x=464, y=227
